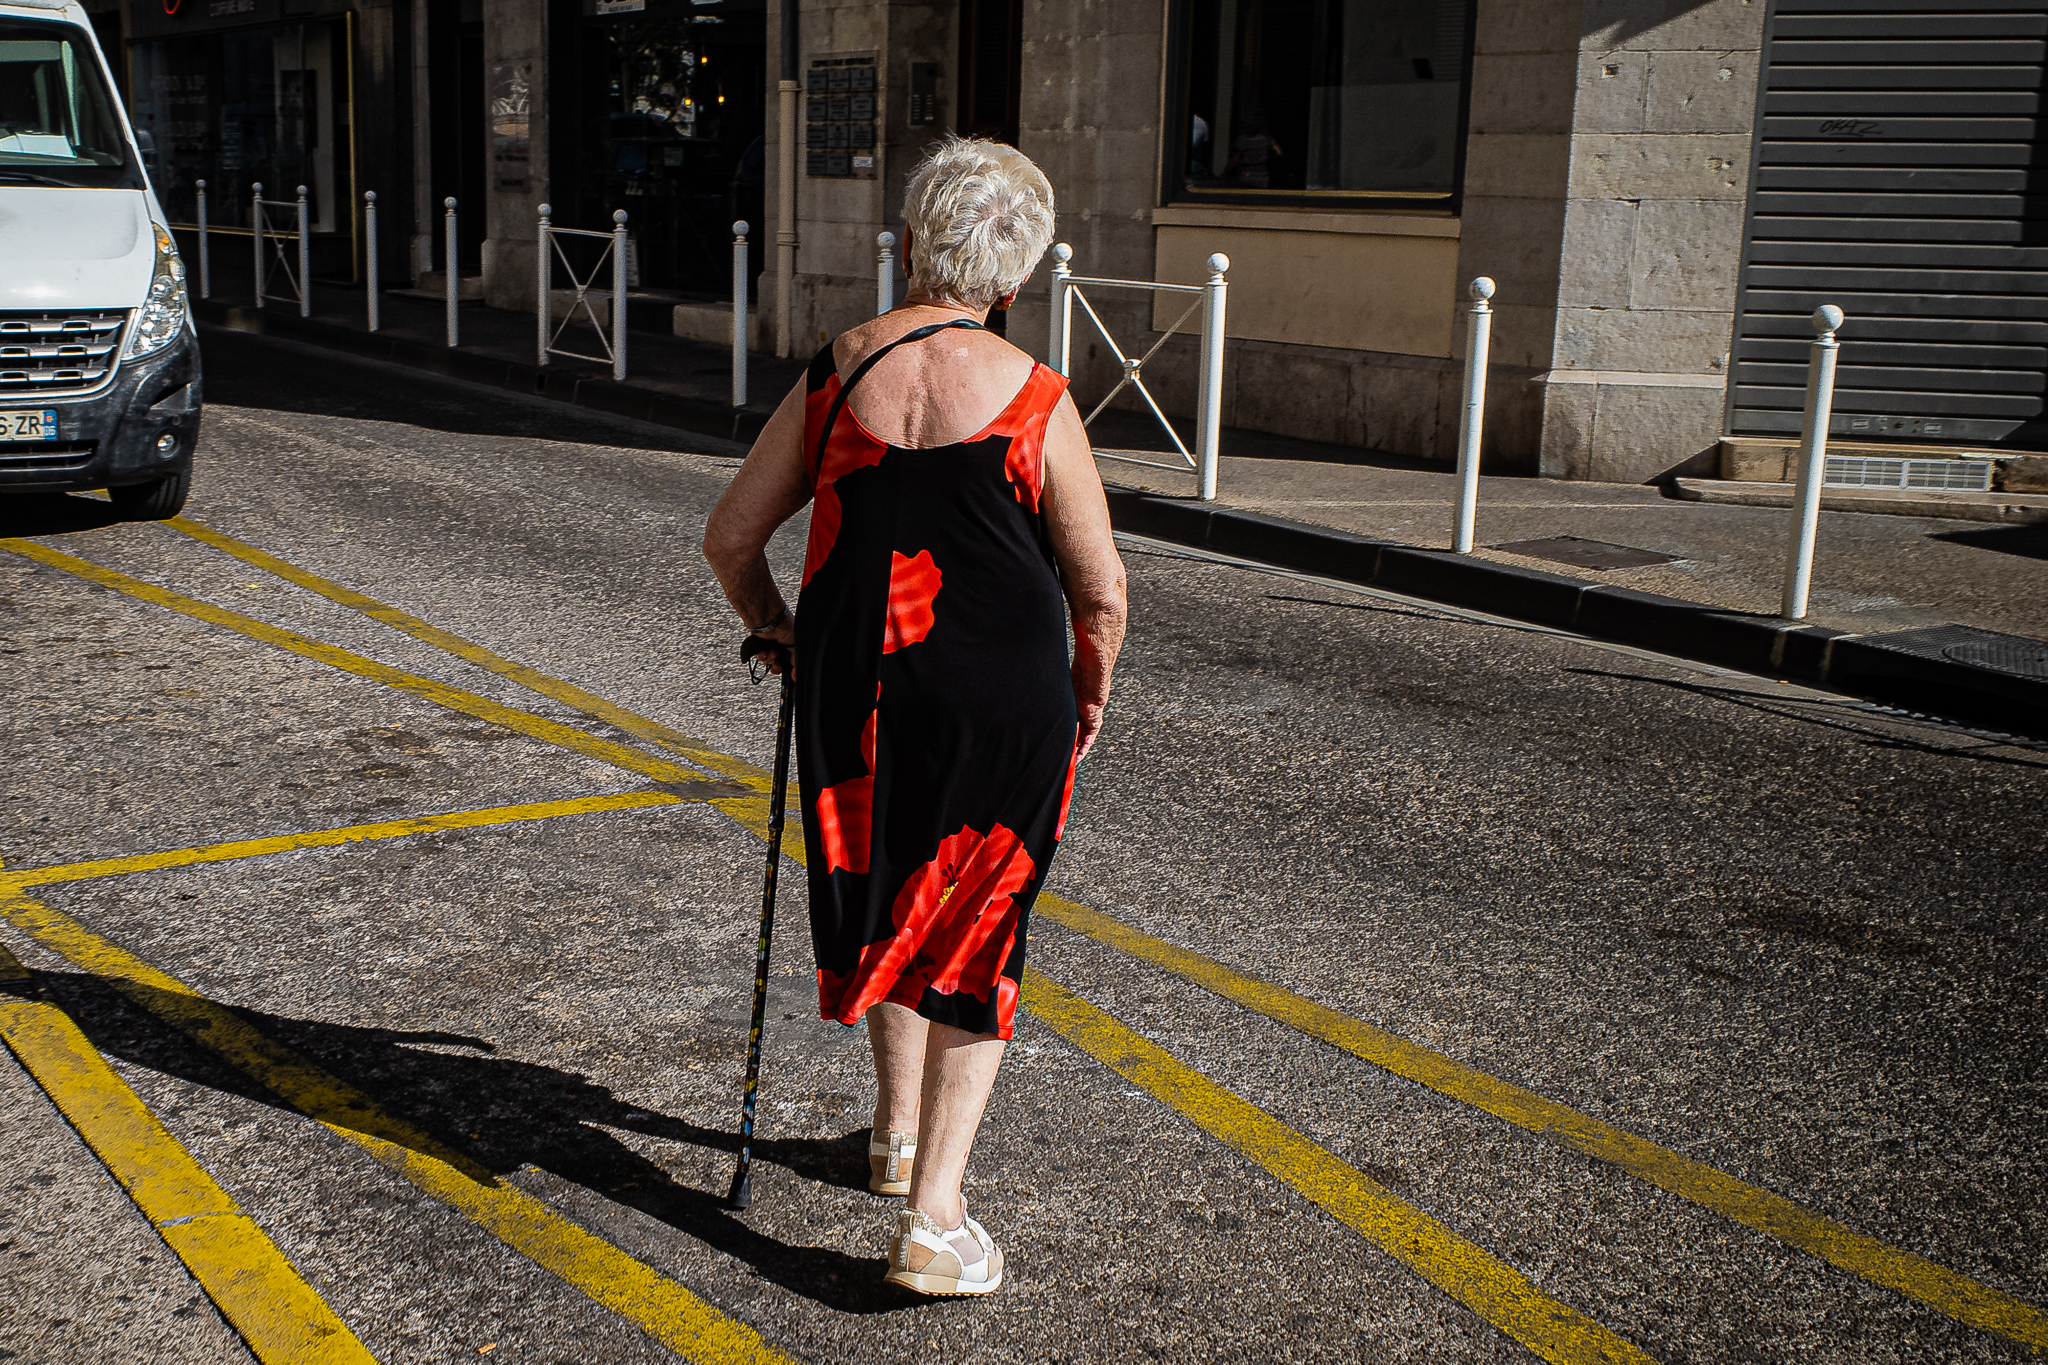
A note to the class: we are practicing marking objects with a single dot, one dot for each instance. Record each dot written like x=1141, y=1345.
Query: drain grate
x=1585, y=554
x=2014, y=655
x=1955, y=476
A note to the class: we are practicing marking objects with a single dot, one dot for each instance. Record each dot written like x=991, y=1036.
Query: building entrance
x=660, y=111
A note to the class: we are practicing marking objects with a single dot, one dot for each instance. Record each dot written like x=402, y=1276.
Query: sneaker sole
x=892, y=1188
x=942, y=1286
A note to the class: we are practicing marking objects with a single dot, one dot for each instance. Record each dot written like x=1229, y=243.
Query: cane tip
x=741, y=1196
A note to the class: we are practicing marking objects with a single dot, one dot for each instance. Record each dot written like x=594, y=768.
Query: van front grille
x=58, y=457
x=45, y=354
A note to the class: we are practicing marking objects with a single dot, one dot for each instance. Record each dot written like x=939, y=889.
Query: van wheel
x=158, y=501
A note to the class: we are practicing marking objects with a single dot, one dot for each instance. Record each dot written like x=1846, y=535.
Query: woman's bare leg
x=898, y=1037
x=959, y=1072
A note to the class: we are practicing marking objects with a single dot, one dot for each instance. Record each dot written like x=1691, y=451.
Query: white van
x=99, y=365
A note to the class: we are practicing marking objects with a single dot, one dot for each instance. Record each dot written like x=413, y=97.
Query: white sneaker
x=932, y=1260
x=896, y=1153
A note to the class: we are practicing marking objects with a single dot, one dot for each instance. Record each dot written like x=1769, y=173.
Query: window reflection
x=1325, y=97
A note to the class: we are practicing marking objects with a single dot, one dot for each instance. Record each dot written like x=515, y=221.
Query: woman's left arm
x=771, y=487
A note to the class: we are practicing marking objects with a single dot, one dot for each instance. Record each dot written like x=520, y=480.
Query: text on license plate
x=28, y=426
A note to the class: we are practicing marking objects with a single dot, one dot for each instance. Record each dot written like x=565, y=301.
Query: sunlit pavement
x=382, y=859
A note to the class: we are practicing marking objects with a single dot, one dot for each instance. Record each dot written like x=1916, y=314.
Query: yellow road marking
x=632, y=722
x=751, y=812
x=256, y=1289
x=328, y=838
x=1954, y=1294
x=1466, y=1271
x=1960, y=1297
x=656, y=1304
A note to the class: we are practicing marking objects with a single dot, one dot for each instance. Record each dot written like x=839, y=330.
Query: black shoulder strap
x=839, y=399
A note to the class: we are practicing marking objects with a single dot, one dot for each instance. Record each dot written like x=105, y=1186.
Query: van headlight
x=163, y=313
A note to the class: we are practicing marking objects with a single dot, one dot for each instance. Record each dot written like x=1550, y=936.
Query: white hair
x=980, y=215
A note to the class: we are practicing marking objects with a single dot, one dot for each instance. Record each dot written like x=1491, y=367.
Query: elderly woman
x=939, y=718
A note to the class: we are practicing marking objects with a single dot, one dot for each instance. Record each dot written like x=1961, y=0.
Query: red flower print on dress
x=913, y=583
x=956, y=922
x=846, y=810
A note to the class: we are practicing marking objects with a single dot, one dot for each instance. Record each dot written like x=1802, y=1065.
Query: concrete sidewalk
x=1872, y=572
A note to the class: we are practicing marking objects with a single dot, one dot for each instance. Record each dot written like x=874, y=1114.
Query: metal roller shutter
x=1898, y=176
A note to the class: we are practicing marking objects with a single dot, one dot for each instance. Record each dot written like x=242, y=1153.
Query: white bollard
x=885, y=273
x=543, y=307
x=370, y=254
x=256, y=222
x=305, y=260
x=1472, y=423
x=1061, y=311
x=1813, y=458
x=205, y=256
x=449, y=253
x=1209, y=417
x=739, y=315
x=619, y=295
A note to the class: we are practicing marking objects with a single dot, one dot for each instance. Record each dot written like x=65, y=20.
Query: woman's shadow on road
x=505, y=1115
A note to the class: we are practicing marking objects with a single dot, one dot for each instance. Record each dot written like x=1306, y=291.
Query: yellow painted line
x=1918, y=1278
x=632, y=722
x=329, y=838
x=750, y=812
x=1959, y=1296
x=656, y=1304
x=1466, y=1271
x=256, y=1289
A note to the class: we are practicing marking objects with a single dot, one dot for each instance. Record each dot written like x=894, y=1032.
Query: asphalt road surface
x=1413, y=986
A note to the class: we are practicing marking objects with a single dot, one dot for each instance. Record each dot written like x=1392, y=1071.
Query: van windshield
x=57, y=125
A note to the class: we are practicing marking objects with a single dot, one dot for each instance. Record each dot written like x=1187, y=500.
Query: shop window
x=1357, y=103
x=233, y=109
x=665, y=121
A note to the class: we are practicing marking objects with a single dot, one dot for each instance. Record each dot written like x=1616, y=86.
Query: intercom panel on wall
x=842, y=112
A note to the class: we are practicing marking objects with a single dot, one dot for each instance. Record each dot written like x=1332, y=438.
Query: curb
x=1872, y=666
x=696, y=415
x=1866, y=665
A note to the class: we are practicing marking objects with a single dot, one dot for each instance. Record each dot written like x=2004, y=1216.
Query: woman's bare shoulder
x=858, y=343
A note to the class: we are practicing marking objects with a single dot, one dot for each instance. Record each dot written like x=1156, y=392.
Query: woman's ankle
x=947, y=1217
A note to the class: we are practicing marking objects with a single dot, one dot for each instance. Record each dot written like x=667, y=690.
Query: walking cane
x=742, y=1193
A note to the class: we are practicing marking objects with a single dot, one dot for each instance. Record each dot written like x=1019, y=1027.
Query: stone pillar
x=515, y=84
x=1653, y=228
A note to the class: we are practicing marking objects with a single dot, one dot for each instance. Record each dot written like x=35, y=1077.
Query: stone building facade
x=1359, y=161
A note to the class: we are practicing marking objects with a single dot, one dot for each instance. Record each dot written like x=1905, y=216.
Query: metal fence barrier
x=1472, y=424
x=1813, y=459
x=739, y=314
x=615, y=251
x=1069, y=289
x=259, y=218
x=370, y=255
x=885, y=273
x=205, y=255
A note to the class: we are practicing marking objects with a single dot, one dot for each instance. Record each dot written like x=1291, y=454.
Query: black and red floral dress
x=935, y=711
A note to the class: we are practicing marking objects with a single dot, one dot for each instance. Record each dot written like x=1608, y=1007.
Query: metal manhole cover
x=2022, y=658
x=1585, y=554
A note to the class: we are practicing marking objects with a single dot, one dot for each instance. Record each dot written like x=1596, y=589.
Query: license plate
x=29, y=426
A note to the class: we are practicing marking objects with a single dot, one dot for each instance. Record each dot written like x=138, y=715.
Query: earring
x=1003, y=304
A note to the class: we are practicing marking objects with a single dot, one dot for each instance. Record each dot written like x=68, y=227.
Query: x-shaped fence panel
x=1069, y=289
x=266, y=229
x=552, y=250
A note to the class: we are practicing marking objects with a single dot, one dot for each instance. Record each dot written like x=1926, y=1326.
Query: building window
x=1352, y=103
x=266, y=106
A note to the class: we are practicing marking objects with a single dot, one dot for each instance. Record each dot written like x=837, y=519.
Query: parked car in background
x=99, y=365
